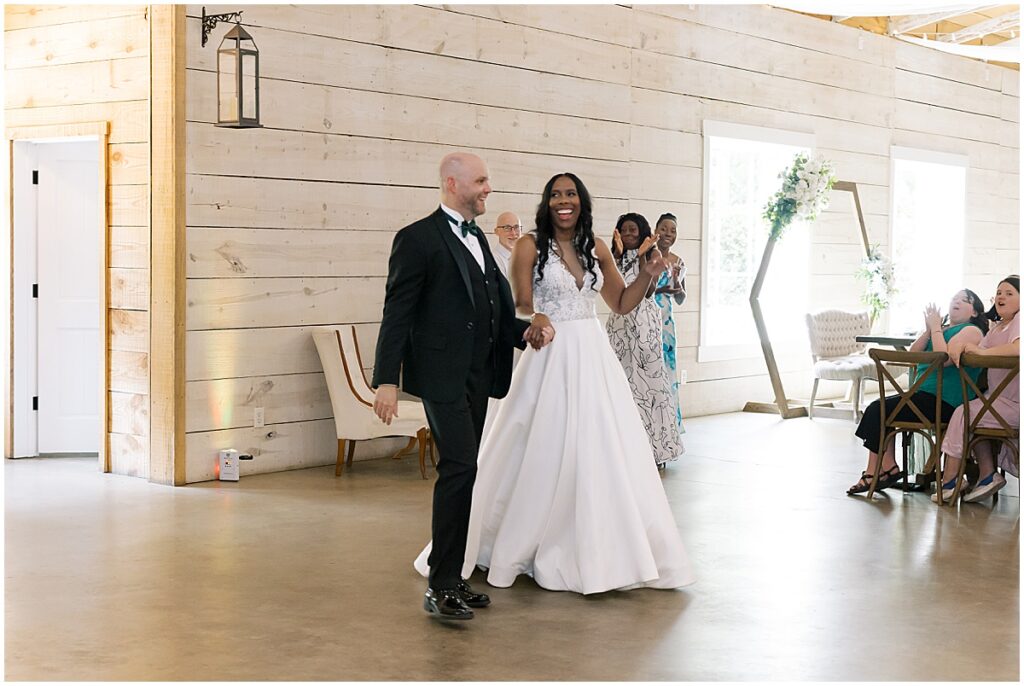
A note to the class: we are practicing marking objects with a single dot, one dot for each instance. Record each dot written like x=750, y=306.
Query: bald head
x=508, y=229
x=465, y=183
x=454, y=164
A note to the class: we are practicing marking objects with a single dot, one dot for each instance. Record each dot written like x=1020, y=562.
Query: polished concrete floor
x=302, y=576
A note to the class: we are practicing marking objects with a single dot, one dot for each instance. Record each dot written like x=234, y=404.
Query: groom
x=448, y=330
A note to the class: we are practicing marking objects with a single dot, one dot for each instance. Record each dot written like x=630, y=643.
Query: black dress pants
x=457, y=427
x=870, y=429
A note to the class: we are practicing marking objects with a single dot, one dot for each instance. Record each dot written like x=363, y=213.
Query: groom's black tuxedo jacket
x=426, y=333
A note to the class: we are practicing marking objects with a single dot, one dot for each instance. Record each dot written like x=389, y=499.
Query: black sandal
x=861, y=486
x=887, y=479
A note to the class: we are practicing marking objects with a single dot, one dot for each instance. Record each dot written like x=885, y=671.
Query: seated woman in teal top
x=965, y=323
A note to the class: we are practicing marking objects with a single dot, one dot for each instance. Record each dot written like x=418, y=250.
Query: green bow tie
x=470, y=227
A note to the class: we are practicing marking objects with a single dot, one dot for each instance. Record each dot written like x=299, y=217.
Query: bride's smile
x=564, y=204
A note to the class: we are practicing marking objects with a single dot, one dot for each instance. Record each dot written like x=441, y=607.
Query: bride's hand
x=534, y=335
x=548, y=334
x=654, y=265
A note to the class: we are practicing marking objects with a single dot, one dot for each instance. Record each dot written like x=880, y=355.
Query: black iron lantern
x=238, y=81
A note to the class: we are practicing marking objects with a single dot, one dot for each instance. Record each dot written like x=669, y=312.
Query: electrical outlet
x=682, y=376
x=257, y=417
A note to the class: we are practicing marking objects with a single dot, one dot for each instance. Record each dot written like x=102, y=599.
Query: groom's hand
x=385, y=403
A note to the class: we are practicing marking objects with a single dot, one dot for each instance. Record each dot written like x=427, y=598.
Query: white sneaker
x=984, y=490
x=947, y=491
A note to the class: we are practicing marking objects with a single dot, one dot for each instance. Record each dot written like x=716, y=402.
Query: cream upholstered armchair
x=352, y=399
x=837, y=354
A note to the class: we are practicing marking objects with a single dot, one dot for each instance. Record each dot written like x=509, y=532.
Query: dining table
x=897, y=341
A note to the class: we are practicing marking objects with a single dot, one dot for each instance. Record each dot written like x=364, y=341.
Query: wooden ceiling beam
x=898, y=25
x=1004, y=22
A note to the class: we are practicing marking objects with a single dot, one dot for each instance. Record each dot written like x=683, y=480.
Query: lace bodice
x=557, y=296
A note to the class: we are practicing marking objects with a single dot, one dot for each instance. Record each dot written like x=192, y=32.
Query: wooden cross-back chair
x=974, y=432
x=921, y=425
x=352, y=400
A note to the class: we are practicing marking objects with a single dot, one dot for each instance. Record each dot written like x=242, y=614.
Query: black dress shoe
x=446, y=603
x=472, y=598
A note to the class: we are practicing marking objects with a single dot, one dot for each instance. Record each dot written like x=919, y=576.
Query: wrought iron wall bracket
x=211, y=20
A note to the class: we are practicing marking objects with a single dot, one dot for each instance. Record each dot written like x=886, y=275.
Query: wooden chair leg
x=907, y=439
x=960, y=471
x=814, y=393
x=937, y=474
x=877, y=471
x=340, y=464
x=351, y=452
x=408, y=446
x=421, y=438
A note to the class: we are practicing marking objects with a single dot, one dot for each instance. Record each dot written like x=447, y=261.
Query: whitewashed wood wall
x=89, y=63
x=290, y=226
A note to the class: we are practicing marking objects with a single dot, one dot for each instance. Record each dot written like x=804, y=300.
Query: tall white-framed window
x=929, y=214
x=741, y=173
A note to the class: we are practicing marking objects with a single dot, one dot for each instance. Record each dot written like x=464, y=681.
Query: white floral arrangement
x=804, y=193
x=877, y=270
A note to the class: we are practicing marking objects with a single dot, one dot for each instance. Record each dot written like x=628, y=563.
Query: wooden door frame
x=101, y=131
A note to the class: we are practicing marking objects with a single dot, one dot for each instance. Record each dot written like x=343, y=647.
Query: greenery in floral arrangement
x=876, y=270
x=804, y=192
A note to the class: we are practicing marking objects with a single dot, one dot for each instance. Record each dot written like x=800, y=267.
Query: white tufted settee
x=837, y=354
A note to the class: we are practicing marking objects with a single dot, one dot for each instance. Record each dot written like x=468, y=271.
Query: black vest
x=487, y=313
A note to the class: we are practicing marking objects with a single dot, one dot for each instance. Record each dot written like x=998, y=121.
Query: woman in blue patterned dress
x=671, y=286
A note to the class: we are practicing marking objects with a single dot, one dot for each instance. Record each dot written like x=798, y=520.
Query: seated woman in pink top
x=1002, y=339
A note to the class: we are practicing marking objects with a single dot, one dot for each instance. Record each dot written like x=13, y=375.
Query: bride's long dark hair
x=583, y=240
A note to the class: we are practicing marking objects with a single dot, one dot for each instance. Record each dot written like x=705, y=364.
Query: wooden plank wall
x=66, y=64
x=289, y=226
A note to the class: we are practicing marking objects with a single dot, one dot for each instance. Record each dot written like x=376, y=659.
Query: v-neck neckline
x=578, y=284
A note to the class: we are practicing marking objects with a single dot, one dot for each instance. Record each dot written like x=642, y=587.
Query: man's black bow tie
x=467, y=228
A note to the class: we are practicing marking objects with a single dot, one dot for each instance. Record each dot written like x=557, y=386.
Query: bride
x=567, y=490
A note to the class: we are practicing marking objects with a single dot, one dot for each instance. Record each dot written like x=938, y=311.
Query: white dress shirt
x=469, y=240
x=503, y=256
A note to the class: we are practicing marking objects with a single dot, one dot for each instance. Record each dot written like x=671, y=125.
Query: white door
x=68, y=245
x=23, y=375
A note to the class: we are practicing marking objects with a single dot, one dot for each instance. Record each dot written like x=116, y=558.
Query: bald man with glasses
x=508, y=230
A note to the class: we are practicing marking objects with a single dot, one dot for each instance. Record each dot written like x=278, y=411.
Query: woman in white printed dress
x=636, y=338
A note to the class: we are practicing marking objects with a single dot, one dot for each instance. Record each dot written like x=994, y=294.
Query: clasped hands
x=655, y=262
x=540, y=332
x=955, y=348
x=674, y=286
x=932, y=318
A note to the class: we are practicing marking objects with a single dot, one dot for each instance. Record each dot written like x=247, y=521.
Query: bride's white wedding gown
x=567, y=489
